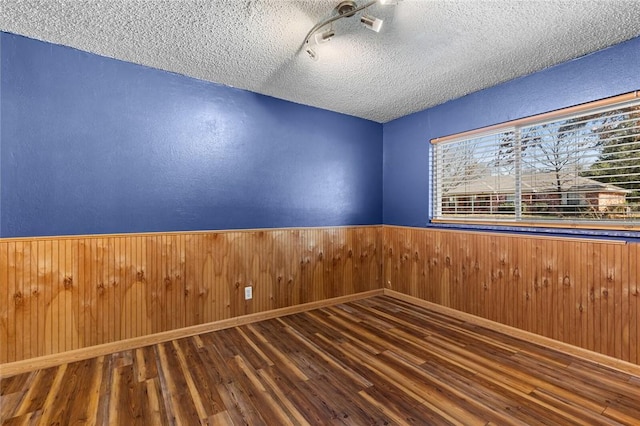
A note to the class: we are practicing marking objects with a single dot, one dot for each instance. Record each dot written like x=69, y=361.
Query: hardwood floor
x=374, y=361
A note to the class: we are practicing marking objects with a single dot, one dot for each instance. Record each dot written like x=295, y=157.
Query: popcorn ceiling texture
x=428, y=52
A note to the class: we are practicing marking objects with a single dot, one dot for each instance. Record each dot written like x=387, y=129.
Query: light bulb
x=371, y=22
x=312, y=53
x=325, y=36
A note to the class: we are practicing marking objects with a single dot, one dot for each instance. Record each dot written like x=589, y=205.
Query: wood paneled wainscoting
x=64, y=293
x=581, y=292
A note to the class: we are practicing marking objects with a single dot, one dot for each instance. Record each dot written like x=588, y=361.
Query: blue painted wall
x=94, y=145
x=406, y=171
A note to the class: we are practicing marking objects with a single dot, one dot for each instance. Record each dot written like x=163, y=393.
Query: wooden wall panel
x=58, y=294
x=64, y=293
x=581, y=292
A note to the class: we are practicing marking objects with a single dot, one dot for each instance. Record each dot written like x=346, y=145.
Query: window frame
x=514, y=126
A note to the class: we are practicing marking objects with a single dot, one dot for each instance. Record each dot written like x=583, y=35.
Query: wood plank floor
x=374, y=361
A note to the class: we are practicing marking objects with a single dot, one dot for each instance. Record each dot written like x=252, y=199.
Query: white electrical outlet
x=248, y=293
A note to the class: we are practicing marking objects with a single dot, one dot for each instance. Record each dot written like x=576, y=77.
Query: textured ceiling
x=428, y=52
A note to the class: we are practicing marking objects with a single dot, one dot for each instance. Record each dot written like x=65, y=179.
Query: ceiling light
x=325, y=36
x=345, y=9
x=371, y=22
x=312, y=53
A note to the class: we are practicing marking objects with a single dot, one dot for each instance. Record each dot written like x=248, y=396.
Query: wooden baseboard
x=566, y=348
x=19, y=367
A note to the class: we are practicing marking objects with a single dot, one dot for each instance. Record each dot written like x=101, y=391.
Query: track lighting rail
x=345, y=9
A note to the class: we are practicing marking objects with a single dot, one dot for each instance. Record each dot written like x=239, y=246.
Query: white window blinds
x=569, y=167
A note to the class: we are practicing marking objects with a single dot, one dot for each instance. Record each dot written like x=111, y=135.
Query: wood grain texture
x=374, y=361
x=64, y=293
x=584, y=293
x=52, y=360
x=69, y=293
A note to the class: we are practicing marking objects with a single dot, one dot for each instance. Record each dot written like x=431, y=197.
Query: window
x=574, y=167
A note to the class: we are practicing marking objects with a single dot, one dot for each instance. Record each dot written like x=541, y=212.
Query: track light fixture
x=324, y=36
x=345, y=9
x=371, y=22
x=312, y=53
